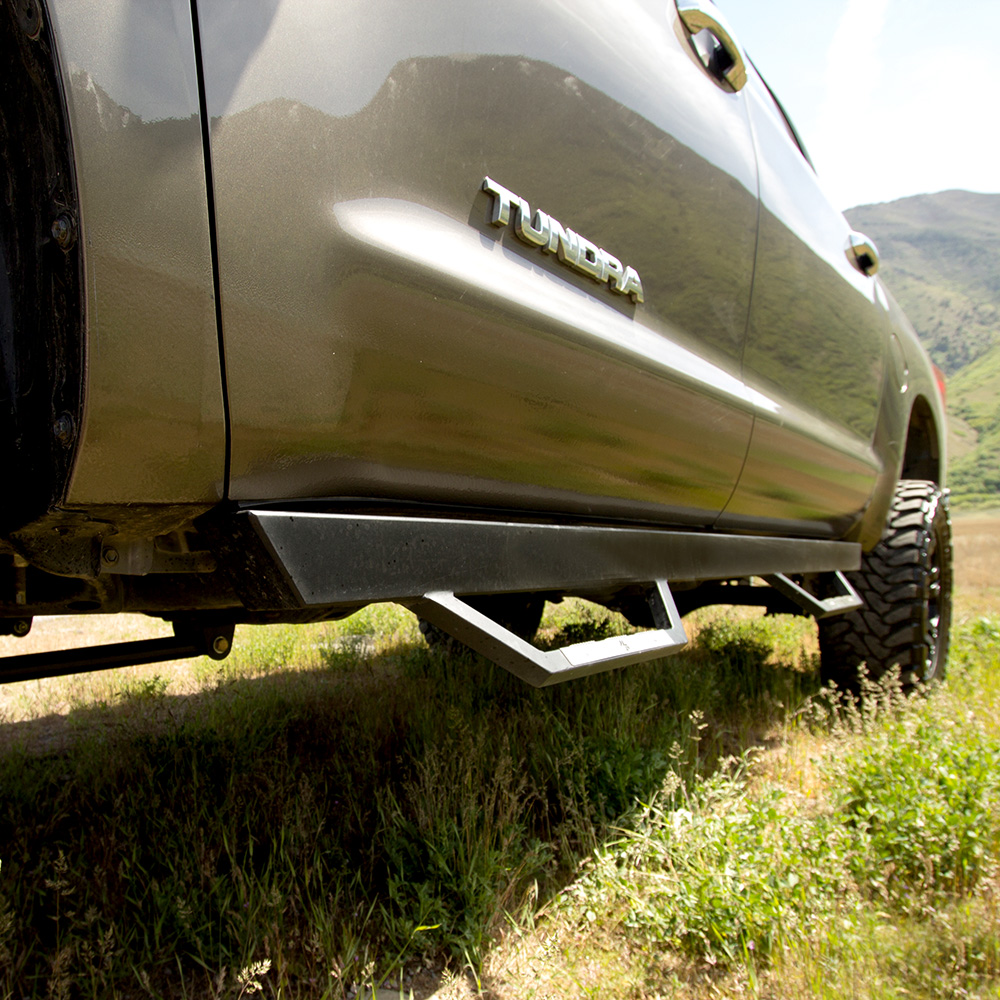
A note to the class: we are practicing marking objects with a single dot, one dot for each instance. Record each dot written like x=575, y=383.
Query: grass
x=977, y=551
x=861, y=860
x=335, y=806
x=340, y=818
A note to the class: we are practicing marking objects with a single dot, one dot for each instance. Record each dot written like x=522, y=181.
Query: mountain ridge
x=940, y=256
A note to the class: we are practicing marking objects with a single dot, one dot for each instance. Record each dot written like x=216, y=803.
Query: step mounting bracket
x=542, y=668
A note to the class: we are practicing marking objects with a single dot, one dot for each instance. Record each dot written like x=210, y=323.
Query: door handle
x=862, y=253
x=697, y=15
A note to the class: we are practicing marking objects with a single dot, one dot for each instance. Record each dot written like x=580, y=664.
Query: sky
x=891, y=97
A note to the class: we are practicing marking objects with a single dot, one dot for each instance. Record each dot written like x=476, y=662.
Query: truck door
x=403, y=320
x=815, y=348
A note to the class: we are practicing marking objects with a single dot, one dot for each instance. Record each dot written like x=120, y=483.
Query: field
x=335, y=809
x=977, y=563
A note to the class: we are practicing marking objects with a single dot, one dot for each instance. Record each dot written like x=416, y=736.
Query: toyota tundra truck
x=466, y=306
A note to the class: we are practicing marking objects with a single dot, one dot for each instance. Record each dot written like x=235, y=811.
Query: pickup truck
x=467, y=306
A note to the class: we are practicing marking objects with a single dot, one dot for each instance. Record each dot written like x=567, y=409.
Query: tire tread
x=894, y=582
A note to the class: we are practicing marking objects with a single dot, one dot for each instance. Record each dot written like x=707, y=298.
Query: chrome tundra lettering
x=541, y=230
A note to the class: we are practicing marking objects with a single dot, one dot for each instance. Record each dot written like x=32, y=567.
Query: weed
x=726, y=875
x=144, y=688
x=248, y=978
x=922, y=797
x=314, y=817
x=590, y=624
x=343, y=802
x=883, y=884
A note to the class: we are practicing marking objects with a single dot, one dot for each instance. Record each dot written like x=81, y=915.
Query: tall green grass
x=339, y=804
x=338, y=820
x=880, y=881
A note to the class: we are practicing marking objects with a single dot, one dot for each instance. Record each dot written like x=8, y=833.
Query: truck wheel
x=906, y=585
x=521, y=613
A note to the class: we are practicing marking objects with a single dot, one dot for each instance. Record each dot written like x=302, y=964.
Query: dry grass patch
x=860, y=858
x=340, y=802
x=977, y=563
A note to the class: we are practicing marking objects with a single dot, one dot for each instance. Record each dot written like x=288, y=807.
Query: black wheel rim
x=935, y=611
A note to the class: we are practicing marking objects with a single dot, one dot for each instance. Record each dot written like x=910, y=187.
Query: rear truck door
x=815, y=349
x=406, y=316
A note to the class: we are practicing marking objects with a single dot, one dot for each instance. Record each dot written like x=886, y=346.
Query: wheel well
x=922, y=456
x=41, y=276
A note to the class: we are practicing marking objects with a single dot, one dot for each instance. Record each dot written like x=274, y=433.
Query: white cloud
x=904, y=109
x=942, y=132
x=848, y=121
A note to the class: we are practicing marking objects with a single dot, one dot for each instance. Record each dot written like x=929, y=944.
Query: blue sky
x=892, y=97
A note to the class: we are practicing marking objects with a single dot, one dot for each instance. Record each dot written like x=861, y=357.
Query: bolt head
x=64, y=230
x=110, y=556
x=220, y=645
x=64, y=429
x=29, y=16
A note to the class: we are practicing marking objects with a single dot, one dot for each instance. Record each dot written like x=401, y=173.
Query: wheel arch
x=910, y=441
x=42, y=353
x=923, y=451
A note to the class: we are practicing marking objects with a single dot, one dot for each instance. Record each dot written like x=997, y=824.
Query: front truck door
x=481, y=253
x=153, y=426
x=815, y=349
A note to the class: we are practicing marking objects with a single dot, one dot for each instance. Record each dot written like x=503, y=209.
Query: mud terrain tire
x=906, y=585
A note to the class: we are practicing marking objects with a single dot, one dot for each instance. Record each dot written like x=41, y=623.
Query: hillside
x=974, y=410
x=941, y=258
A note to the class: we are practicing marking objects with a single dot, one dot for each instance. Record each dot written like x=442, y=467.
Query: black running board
x=282, y=560
x=288, y=560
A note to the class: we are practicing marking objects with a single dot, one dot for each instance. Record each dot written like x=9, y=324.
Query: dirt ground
x=977, y=564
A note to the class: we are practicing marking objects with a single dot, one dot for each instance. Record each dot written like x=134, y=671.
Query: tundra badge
x=543, y=231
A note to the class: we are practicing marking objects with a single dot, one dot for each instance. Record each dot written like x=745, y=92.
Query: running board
x=286, y=560
x=544, y=668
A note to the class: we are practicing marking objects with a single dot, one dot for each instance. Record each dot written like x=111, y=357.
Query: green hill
x=974, y=412
x=941, y=258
